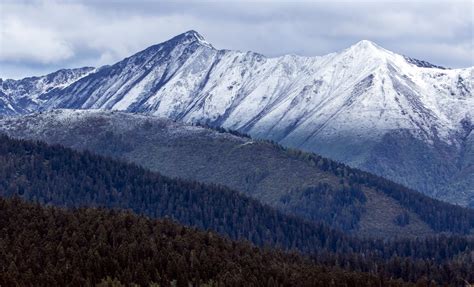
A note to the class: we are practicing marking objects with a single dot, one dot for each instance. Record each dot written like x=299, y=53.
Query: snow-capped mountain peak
x=365, y=45
x=368, y=52
x=341, y=105
x=367, y=49
x=189, y=37
x=185, y=78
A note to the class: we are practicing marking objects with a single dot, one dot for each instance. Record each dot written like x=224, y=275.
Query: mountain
x=56, y=246
x=26, y=95
x=398, y=117
x=296, y=183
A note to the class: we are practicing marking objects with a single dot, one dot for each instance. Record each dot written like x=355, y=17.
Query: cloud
x=44, y=35
x=21, y=42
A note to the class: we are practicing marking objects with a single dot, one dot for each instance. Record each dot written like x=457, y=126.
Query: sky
x=39, y=37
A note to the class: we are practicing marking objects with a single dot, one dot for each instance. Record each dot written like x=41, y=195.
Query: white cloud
x=24, y=41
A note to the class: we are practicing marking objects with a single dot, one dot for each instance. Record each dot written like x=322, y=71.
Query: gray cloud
x=41, y=36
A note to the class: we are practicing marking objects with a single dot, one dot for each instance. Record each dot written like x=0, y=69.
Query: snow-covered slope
x=26, y=95
x=349, y=105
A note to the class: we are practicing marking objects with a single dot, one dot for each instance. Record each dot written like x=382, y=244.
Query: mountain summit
x=366, y=106
x=368, y=49
x=365, y=45
x=188, y=37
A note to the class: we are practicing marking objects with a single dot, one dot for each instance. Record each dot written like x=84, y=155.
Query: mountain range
x=402, y=118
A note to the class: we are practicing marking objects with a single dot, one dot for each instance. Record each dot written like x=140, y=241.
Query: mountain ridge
x=343, y=105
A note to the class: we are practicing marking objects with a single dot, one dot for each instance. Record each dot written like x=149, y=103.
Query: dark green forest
x=54, y=175
x=53, y=247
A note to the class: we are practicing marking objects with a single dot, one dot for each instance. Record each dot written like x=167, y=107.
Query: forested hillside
x=54, y=175
x=62, y=177
x=296, y=183
x=52, y=247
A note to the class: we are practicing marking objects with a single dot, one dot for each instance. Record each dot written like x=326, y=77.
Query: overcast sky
x=37, y=37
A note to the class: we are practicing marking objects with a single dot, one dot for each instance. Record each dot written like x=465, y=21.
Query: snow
x=293, y=99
